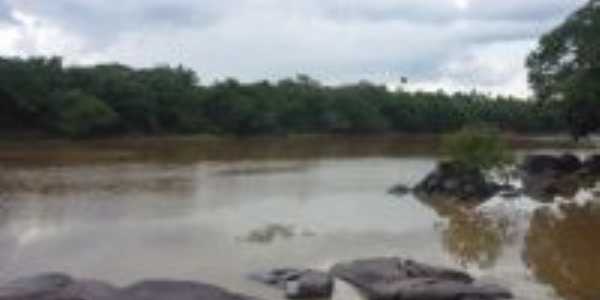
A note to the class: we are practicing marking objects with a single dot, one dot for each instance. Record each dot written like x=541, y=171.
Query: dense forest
x=42, y=95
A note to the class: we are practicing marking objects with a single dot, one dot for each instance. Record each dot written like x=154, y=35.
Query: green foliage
x=78, y=115
x=39, y=94
x=478, y=148
x=566, y=68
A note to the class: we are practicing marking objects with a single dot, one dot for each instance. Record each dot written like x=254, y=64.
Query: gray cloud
x=481, y=44
x=6, y=13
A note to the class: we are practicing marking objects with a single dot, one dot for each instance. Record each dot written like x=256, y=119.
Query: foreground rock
x=449, y=179
x=298, y=284
x=395, y=278
x=56, y=286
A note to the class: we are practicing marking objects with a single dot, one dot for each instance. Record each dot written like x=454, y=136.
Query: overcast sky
x=450, y=44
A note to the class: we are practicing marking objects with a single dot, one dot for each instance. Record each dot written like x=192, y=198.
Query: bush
x=77, y=114
x=478, y=148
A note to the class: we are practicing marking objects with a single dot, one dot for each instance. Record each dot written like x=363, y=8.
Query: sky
x=436, y=44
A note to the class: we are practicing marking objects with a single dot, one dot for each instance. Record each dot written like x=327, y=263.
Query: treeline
x=41, y=94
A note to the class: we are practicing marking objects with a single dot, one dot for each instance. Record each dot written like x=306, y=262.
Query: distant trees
x=566, y=68
x=41, y=94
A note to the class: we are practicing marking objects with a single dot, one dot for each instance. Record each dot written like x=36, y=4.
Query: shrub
x=478, y=148
x=77, y=114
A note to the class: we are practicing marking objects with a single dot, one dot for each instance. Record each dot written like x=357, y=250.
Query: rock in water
x=395, y=278
x=298, y=284
x=449, y=179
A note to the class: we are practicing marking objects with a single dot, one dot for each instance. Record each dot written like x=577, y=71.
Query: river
x=214, y=210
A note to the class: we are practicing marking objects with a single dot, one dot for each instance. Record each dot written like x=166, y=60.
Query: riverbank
x=211, y=147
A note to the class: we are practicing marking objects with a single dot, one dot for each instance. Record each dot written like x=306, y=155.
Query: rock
x=450, y=180
x=56, y=286
x=177, y=290
x=395, y=278
x=298, y=284
x=557, y=165
x=591, y=165
x=35, y=287
x=546, y=176
x=400, y=190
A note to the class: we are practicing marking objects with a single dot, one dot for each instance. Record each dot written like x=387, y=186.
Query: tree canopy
x=42, y=95
x=565, y=67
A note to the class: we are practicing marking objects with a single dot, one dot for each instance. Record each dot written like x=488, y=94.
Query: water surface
x=216, y=210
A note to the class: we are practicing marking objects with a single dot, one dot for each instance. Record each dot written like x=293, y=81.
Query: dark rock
x=511, y=194
x=591, y=165
x=298, y=284
x=400, y=190
x=177, y=290
x=36, y=287
x=395, y=278
x=56, y=286
x=449, y=179
x=546, y=176
x=556, y=165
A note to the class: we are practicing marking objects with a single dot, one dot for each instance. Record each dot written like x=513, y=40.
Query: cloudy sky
x=450, y=44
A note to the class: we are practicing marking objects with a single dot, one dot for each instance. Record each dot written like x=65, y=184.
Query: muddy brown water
x=214, y=210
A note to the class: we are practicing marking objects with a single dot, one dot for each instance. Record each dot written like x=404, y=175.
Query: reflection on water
x=216, y=211
x=562, y=249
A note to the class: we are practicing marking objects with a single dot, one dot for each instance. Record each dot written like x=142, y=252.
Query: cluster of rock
x=57, y=286
x=546, y=176
x=450, y=178
x=298, y=284
x=542, y=176
x=376, y=278
x=385, y=278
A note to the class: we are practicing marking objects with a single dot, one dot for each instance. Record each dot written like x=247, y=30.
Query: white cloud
x=453, y=44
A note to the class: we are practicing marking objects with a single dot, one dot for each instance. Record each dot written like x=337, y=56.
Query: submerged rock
x=298, y=284
x=449, y=179
x=400, y=190
x=395, y=278
x=57, y=286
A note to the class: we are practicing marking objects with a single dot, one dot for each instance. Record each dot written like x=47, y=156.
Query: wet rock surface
x=298, y=284
x=547, y=176
x=395, y=278
x=56, y=286
x=451, y=180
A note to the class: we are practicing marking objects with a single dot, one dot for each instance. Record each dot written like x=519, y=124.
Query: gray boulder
x=298, y=284
x=451, y=180
x=395, y=278
x=56, y=286
x=177, y=290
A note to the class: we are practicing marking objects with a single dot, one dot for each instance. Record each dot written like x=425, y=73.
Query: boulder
x=57, y=286
x=591, y=165
x=546, y=176
x=400, y=190
x=395, y=278
x=177, y=290
x=555, y=165
x=449, y=179
x=298, y=284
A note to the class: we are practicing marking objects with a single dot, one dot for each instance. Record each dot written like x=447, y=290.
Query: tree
x=76, y=114
x=566, y=68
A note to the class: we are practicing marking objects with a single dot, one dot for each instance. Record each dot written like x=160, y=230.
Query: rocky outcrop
x=395, y=278
x=298, y=284
x=451, y=180
x=547, y=176
x=56, y=286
